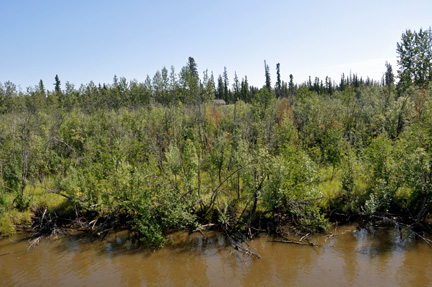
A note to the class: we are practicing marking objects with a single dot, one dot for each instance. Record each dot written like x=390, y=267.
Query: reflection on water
x=352, y=257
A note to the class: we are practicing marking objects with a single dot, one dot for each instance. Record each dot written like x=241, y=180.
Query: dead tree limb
x=294, y=242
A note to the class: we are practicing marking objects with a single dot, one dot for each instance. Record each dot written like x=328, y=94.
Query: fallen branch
x=203, y=227
x=34, y=242
x=294, y=242
x=43, y=216
x=246, y=251
x=236, y=244
x=304, y=237
x=428, y=241
x=408, y=227
x=331, y=235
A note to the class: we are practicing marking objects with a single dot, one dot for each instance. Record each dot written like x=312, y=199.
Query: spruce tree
x=57, y=84
x=267, y=76
x=389, y=76
x=193, y=68
x=278, y=81
x=226, y=91
x=236, y=87
x=220, y=88
x=291, y=86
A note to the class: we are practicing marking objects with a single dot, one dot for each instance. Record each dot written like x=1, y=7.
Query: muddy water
x=352, y=257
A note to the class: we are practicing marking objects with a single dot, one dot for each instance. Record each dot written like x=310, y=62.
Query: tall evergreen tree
x=291, y=87
x=193, y=68
x=388, y=76
x=342, y=83
x=220, y=88
x=278, y=85
x=328, y=85
x=388, y=83
x=267, y=76
x=189, y=82
x=57, y=84
x=41, y=95
x=41, y=87
x=226, y=90
x=244, y=92
x=236, y=87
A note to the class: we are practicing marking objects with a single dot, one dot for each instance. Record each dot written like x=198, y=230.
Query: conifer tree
x=220, y=88
x=41, y=87
x=193, y=68
x=389, y=76
x=226, y=91
x=57, y=84
x=278, y=81
x=267, y=76
x=236, y=87
x=244, y=89
x=291, y=87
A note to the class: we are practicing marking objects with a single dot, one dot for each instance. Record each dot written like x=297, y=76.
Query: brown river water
x=352, y=257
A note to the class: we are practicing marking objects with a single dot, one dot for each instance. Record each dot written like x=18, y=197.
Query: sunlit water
x=353, y=257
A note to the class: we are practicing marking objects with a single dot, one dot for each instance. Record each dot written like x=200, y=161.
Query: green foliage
x=292, y=189
x=157, y=210
x=22, y=201
x=160, y=155
x=6, y=225
x=371, y=205
x=385, y=178
x=415, y=58
x=333, y=145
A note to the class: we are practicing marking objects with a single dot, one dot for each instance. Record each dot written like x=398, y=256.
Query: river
x=350, y=257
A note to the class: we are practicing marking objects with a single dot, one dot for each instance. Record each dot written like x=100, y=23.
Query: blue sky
x=85, y=41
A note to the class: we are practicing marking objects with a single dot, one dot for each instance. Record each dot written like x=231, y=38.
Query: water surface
x=352, y=257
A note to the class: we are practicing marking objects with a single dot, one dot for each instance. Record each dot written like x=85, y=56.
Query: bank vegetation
x=160, y=155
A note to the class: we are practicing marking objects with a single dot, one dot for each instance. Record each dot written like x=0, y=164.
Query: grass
x=11, y=217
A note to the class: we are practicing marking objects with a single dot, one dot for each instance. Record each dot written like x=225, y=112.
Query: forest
x=168, y=154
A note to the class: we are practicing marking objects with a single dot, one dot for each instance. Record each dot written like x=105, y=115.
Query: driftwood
x=335, y=233
x=304, y=237
x=203, y=228
x=237, y=244
x=401, y=225
x=34, y=242
x=246, y=251
x=294, y=242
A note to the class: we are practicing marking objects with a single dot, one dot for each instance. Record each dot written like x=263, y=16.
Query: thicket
x=162, y=155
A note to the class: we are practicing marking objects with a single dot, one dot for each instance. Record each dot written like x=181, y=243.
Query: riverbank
x=50, y=214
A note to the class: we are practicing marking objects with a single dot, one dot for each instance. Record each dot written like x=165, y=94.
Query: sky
x=83, y=41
